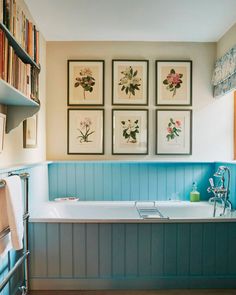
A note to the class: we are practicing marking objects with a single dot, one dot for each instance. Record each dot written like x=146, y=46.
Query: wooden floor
x=155, y=292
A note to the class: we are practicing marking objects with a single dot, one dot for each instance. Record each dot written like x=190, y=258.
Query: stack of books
x=13, y=70
x=24, y=31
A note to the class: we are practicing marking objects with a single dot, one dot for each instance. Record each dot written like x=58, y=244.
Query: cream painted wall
x=14, y=153
x=212, y=119
x=227, y=41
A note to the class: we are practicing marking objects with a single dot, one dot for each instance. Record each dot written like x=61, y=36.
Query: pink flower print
x=178, y=123
x=173, y=81
x=169, y=130
x=173, y=129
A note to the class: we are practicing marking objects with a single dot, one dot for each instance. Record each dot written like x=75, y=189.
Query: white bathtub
x=126, y=212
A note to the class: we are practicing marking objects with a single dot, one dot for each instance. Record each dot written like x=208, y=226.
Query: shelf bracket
x=17, y=114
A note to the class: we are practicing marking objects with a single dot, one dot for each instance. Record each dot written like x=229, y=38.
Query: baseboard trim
x=135, y=283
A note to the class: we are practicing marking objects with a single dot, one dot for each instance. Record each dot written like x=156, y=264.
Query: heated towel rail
x=6, y=231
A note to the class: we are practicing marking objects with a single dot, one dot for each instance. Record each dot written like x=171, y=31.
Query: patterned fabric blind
x=224, y=75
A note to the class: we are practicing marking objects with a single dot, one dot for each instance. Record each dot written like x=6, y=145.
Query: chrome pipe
x=6, y=230
x=13, y=270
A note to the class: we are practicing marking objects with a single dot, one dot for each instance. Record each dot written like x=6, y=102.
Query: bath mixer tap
x=221, y=190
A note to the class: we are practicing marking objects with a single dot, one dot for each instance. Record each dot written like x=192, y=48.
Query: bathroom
x=124, y=188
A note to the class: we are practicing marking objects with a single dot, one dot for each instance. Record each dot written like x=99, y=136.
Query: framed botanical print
x=85, y=131
x=85, y=82
x=130, y=131
x=173, y=83
x=2, y=130
x=129, y=82
x=30, y=132
x=174, y=132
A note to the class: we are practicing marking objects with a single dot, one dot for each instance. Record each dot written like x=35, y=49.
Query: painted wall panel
x=92, y=252
x=196, y=249
x=118, y=250
x=157, y=249
x=170, y=247
x=183, y=249
x=144, y=249
x=131, y=252
x=127, y=181
x=66, y=250
x=105, y=250
x=79, y=250
x=173, y=255
x=53, y=250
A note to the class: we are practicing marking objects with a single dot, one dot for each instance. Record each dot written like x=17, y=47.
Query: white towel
x=14, y=201
x=5, y=242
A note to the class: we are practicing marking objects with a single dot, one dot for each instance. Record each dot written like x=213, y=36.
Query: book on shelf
x=22, y=29
x=15, y=72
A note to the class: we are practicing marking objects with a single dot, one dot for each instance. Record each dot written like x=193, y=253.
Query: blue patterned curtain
x=224, y=76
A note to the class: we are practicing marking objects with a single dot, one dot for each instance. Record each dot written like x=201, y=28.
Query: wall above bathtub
x=211, y=118
x=127, y=181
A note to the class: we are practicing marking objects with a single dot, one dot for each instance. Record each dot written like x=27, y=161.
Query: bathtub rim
x=54, y=219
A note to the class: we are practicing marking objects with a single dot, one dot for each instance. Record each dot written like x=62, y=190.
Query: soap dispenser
x=194, y=194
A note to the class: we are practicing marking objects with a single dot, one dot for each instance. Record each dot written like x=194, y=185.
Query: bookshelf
x=19, y=64
x=23, y=55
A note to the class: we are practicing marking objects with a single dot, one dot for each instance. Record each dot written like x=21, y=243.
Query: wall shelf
x=11, y=96
x=19, y=106
x=23, y=55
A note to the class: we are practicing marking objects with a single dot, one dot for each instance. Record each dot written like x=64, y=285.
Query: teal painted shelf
x=19, y=106
x=11, y=96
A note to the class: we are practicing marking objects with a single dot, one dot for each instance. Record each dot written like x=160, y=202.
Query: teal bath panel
x=145, y=256
x=120, y=181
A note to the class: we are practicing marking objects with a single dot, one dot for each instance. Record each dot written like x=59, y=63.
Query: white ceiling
x=134, y=20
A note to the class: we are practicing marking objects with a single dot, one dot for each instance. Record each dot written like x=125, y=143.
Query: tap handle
x=211, y=182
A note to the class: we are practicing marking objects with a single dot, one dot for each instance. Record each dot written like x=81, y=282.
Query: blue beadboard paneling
x=183, y=249
x=53, y=250
x=131, y=250
x=92, y=252
x=105, y=250
x=106, y=181
x=174, y=255
x=196, y=251
x=79, y=250
x=66, y=250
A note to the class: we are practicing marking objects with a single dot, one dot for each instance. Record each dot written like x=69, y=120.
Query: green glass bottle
x=194, y=194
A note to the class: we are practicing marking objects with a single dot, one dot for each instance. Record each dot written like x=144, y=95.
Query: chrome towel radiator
x=24, y=258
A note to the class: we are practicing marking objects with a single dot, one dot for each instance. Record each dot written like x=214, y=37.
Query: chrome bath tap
x=221, y=190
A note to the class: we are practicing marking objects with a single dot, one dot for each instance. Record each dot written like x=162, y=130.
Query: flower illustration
x=130, y=130
x=173, y=130
x=85, y=80
x=84, y=130
x=130, y=82
x=173, y=81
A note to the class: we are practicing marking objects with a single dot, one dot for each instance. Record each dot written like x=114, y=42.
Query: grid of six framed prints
x=130, y=85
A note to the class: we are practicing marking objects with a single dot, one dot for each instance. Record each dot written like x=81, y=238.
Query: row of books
x=22, y=76
x=24, y=31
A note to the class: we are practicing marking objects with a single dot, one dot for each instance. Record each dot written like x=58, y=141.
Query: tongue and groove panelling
x=122, y=256
x=127, y=181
